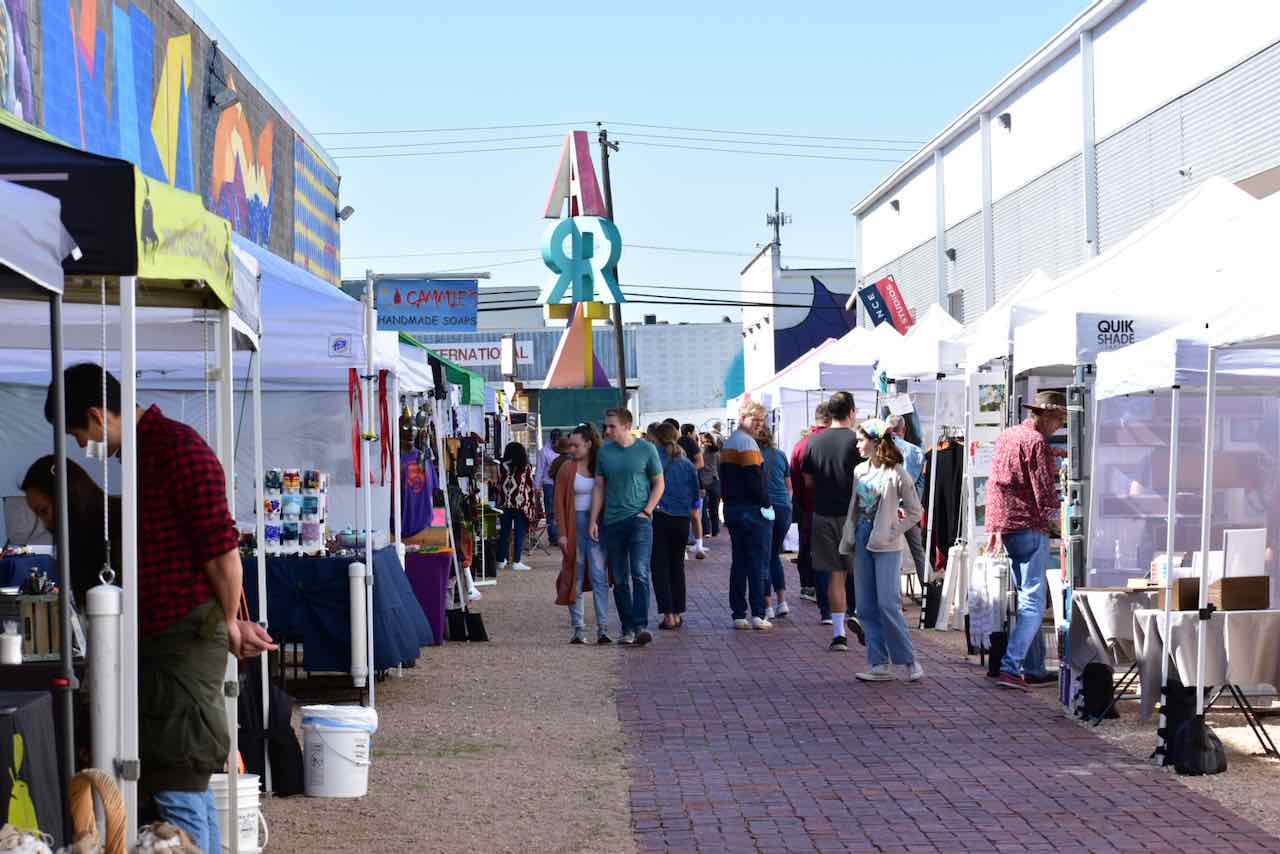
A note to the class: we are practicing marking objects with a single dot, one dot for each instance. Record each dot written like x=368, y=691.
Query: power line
x=386, y=145
x=769, y=133
x=683, y=301
x=761, y=153
x=646, y=246
x=448, y=130
x=386, y=155
x=889, y=148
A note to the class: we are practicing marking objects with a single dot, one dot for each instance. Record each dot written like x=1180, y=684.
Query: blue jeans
x=509, y=518
x=590, y=559
x=822, y=587
x=629, y=545
x=781, y=524
x=878, y=582
x=195, y=813
x=1029, y=554
x=549, y=507
x=749, y=539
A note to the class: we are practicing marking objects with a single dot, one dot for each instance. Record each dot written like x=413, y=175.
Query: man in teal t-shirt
x=628, y=487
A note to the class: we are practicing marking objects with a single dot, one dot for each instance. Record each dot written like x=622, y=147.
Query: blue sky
x=851, y=70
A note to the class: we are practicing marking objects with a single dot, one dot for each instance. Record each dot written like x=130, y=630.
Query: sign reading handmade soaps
x=408, y=304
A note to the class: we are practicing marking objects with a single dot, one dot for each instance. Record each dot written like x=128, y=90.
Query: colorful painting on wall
x=140, y=81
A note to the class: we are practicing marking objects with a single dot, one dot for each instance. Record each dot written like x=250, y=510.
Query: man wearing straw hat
x=1022, y=510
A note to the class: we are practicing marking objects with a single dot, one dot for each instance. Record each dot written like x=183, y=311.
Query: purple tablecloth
x=429, y=577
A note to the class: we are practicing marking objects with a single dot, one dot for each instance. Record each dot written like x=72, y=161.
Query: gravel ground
x=1249, y=785
x=513, y=745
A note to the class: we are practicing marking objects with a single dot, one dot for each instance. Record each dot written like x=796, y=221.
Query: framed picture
x=991, y=400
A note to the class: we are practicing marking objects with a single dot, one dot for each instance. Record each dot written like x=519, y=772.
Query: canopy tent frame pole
x=1206, y=523
x=397, y=500
x=224, y=407
x=1175, y=430
x=128, y=765
x=927, y=569
x=370, y=330
x=260, y=537
x=65, y=685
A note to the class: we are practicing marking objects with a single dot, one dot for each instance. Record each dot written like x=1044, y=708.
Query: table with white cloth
x=1102, y=626
x=1242, y=648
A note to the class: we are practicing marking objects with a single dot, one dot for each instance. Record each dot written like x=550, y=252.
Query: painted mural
x=139, y=81
x=315, y=229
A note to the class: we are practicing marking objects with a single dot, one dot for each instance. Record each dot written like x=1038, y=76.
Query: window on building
x=955, y=305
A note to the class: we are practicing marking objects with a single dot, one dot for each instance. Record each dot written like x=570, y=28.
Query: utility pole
x=619, y=343
x=777, y=220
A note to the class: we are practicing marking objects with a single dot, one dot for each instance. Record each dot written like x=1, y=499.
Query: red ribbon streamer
x=355, y=402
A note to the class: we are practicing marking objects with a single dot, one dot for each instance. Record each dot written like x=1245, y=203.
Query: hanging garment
x=946, y=463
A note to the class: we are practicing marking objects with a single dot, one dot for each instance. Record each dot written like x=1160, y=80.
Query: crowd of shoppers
x=627, y=508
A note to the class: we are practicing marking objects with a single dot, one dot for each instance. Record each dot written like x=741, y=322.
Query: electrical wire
x=903, y=149
x=449, y=130
x=648, y=126
x=388, y=155
x=770, y=133
x=760, y=153
x=892, y=149
x=644, y=246
x=676, y=302
x=386, y=145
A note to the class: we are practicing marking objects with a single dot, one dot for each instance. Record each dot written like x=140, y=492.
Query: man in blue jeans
x=1022, y=511
x=628, y=486
x=749, y=517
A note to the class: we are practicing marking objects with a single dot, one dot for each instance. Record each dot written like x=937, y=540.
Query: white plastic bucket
x=250, y=817
x=336, y=747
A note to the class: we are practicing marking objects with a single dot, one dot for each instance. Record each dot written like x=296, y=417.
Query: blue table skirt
x=14, y=570
x=308, y=598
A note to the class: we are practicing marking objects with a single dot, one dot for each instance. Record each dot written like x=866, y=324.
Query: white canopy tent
x=990, y=338
x=931, y=347
x=1150, y=281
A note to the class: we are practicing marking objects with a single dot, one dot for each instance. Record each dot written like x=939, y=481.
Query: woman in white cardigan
x=884, y=506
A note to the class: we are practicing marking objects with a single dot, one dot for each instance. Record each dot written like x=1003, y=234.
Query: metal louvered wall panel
x=1040, y=225
x=916, y=274
x=1230, y=126
x=965, y=273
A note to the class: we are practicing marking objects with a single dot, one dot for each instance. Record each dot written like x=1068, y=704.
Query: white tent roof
x=849, y=362
x=1154, y=278
x=992, y=334
x=931, y=347
x=33, y=241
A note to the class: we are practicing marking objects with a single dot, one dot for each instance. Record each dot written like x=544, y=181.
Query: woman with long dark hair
x=520, y=502
x=671, y=520
x=884, y=505
x=583, y=568
x=84, y=527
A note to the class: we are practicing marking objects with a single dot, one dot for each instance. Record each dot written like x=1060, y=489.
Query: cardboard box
x=1243, y=593
x=41, y=627
x=1186, y=595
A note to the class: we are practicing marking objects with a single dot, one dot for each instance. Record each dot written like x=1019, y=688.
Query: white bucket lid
x=341, y=717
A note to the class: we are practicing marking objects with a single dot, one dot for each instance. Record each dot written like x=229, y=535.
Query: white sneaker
x=760, y=624
x=912, y=672
x=505, y=565
x=742, y=623
x=521, y=567
x=782, y=610
x=473, y=595
x=700, y=552
x=877, y=673
x=768, y=613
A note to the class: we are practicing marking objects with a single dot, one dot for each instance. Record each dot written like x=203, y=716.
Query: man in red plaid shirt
x=189, y=591
x=1022, y=509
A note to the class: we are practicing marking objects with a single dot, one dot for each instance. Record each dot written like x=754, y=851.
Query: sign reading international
x=408, y=304
x=884, y=304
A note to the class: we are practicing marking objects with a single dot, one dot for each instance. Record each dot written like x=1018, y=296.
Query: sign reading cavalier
x=408, y=304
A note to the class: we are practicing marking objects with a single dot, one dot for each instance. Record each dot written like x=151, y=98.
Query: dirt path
x=513, y=745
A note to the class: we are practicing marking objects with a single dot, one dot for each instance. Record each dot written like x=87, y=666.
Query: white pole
x=226, y=441
x=1206, y=520
x=128, y=775
x=1175, y=408
x=459, y=584
x=393, y=407
x=933, y=488
x=370, y=329
x=260, y=537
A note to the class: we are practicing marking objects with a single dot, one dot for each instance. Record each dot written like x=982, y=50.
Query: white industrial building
x=1122, y=112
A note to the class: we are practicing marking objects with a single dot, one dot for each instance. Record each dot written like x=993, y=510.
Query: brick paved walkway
x=754, y=741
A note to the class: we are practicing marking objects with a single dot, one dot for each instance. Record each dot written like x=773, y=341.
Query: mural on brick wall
x=139, y=81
